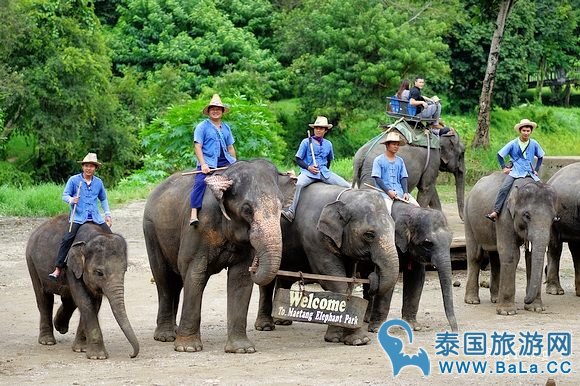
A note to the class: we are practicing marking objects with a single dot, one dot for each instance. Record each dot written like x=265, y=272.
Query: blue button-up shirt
x=90, y=194
x=522, y=162
x=391, y=172
x=212, y=143
x=323, y=153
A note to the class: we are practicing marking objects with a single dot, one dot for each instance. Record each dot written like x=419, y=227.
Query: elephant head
x=423, y=236
x=251, y=202
x=359, y=226
x=453, y=161
x=532, y=208
x=100, y=263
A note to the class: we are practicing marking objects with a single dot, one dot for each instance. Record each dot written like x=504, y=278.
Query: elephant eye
x=98, y=272
x=369, y=235
x=247, y=211
x=527, y=215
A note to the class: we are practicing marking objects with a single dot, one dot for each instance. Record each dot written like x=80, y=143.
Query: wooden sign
x=319, y=307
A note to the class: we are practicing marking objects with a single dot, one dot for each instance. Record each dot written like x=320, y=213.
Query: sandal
x=52, y=276
x=490, y=217
x=193, y=222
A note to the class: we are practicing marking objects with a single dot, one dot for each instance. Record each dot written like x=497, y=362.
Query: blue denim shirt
x=323, y=153
x=391, y=172
x=522, y=162
x=211, y=141
x=88, y=199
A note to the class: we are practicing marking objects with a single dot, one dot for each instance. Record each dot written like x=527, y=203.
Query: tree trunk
x=481, y=138
x=540, y=83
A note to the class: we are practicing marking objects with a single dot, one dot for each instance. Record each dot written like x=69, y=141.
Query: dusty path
x=294, y=355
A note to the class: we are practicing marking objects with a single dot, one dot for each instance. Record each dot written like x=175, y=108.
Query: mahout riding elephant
x=423, y=237
x=239, y=227
x=423, y=166
x=334, y=229
x=526, y=218
x=566, y=183
x=96, y=266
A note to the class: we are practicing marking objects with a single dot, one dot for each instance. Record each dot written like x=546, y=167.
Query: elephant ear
x=218, y=184
x=512, y=201
x=402, y=235
x=332, y=220
x=76, y=259
x=287, y=185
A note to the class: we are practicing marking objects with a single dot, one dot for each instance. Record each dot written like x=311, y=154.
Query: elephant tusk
x=223, y=209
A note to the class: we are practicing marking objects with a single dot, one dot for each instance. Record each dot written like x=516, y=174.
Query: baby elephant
x=97, y=262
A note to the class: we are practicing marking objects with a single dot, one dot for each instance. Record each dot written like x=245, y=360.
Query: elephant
x=335, y=232
x=567, y=185
x=239, y=227
x=423, y=166
x=526, y=218
x=96, y=266
x=423, y=237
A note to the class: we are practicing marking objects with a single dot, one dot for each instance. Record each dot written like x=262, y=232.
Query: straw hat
x=215, y=101
x=321, y=122
x=525, y=122
x=91, y=158
x=393, y=137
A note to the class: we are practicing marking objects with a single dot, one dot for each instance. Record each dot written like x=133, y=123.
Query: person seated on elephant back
x=390, y=173
x=82, y=192
x=428, y=108
x=213, y=143
x=522, y=151
x=314, y=157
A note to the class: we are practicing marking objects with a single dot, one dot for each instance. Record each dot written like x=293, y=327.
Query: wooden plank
x=313, y=276
x=319, y=307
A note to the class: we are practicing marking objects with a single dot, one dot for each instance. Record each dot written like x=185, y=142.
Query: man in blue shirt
x=83, y=191
x=522, y=151
x=390, y=173
x=213, y=143
x=314, y=157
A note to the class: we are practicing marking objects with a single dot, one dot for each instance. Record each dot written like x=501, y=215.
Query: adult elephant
x=239, y=222
x=422, y=237
x=423, y=165
x=527, y=216
x=567, y=185
x=97, y=263
x=336, y=231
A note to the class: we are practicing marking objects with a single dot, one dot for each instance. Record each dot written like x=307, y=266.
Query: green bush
x=11, y=176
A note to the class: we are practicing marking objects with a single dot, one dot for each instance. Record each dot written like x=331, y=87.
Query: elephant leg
x=574, y=247
x=474, y=256
x=95, y=346
x=188, y=337
x=435, y=202
x=264, y=320
x=380, y=310
x=80, y=342
x=553, y=286
x=494, y=275
x=413, y=281
x=239, y=293
x=536, y=305
x=509, y=257
x=63, y=315
x=283, y=283
x=45, y=303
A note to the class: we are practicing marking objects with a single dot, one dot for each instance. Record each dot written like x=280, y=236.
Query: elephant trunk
x=442, y=261
x=266, y=239
x=116, y=296
x=387, y=261
x=460, y=190
x=538, y=246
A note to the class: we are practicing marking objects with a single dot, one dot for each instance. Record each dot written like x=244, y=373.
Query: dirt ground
x=290, y=355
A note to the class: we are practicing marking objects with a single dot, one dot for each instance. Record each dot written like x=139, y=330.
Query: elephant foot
x=164, y=334
x=374, y=326
x=493, y=299
x=60, y=322
x=282, y=322
x=47, y=339
x=79, y=345
x=355, y=337
x=506, y=309
x=333, y=334
x=555, y=289
x=416, y=326
x=97, y=354
x=240, y=345
x=536, y=306
x=191, y=343
x=471, y=299
x=265, y=323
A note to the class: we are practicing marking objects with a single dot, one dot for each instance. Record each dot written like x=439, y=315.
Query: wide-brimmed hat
x=525, y=122
x=215, y=101
x=393, y=137
x=321, y=121
x=91, y=158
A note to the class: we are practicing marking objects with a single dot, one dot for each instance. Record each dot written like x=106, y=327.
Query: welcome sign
x=319, y=307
